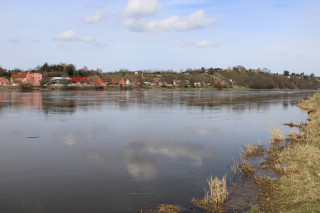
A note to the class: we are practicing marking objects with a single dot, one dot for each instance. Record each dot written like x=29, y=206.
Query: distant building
x=138, y=73
x=176, y=83
x=27, y=78
x=4, y=81
x=116, y=81
x=60, y=80
x=79, y=80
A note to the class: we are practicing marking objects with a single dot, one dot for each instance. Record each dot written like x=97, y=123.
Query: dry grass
x=244, y=166
x=294, y=135
x=164, y=208
x=276, y=135
x=263, y=180
x=298, y=189
x=215, y=197
x=291, y=124
x=254, y=150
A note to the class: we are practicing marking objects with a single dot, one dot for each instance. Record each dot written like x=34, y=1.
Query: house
x=116, y=81
x=138, y=73
x=128, y=82
x=79, y=80
x=96, y=81
x=167, y=83
x=176, y=83
x=4, y=81
x=221, y=82
x=60, y=81
x=197, y=83
x=121, y=82
x=207, y=83
x=157, y=82
x=27, y=78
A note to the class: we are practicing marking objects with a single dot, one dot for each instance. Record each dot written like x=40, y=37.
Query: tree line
x=260, y=78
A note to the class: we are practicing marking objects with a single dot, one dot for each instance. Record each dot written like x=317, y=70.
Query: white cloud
x=141, y=8
x=95, y=18
x=195, y=20
x=70, y=35
x=205, y=43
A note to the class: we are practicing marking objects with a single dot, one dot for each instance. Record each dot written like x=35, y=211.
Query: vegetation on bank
x=298, y=163
x=292, y=165
x=237, y=77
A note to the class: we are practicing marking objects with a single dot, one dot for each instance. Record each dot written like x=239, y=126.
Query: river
x=123, y=151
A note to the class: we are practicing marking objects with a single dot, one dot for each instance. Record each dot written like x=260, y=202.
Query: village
x=36, y=79
x=238, y=77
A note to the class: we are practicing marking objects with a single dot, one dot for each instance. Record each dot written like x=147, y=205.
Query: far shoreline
x=88, y=88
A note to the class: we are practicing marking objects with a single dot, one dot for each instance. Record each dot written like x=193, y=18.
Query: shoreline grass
x=215, y=197
x=298, y=188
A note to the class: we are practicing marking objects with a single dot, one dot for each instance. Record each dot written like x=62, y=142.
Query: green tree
x=70, y=70
x=286, y=73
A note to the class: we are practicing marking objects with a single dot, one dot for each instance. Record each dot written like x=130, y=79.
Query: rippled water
x=102, y=151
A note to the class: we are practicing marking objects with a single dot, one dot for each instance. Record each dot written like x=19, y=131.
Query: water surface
x=122, y=151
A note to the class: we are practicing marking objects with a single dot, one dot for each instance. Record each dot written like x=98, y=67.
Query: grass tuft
x=164, y=208
x=244, y=166
x=291, y=124
x=254, y=150
x=215, y=197
x=276, y=135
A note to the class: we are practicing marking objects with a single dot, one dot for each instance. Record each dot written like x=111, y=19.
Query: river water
x=123, y=151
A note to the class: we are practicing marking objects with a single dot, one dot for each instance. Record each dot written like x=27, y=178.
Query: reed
x=215, y=197
x=244, y=166
x=276, y=135
x=254, y=150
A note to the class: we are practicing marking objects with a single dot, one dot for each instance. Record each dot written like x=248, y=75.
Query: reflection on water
x=140, y=158
x=120, y=151
x=70, y=101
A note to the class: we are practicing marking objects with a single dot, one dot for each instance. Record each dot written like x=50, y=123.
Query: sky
x=161, y=34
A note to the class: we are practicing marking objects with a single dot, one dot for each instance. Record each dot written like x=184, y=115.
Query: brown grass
x=263, y=180
x=298, y=189
x=276, y=135
x=254, y=150
x=244, y=166
x=291, y=124
x=215, y=197
x=164, y=208
x=294, y=135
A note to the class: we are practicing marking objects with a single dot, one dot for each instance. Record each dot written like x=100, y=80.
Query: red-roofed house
x=138, y=73
x=96, y=81
x=4, y=81
x=115, y=81
x=27, y=78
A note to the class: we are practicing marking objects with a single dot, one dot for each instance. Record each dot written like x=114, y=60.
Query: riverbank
x=298, y=163
x=283, y=177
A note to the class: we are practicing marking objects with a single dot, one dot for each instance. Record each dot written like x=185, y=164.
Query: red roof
x=79, y=79
x=19, y=75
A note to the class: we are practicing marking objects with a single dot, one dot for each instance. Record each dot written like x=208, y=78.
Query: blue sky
x=161, y=34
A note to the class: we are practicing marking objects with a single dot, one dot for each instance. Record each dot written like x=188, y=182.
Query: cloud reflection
x=142, y=159
x=68, y=139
